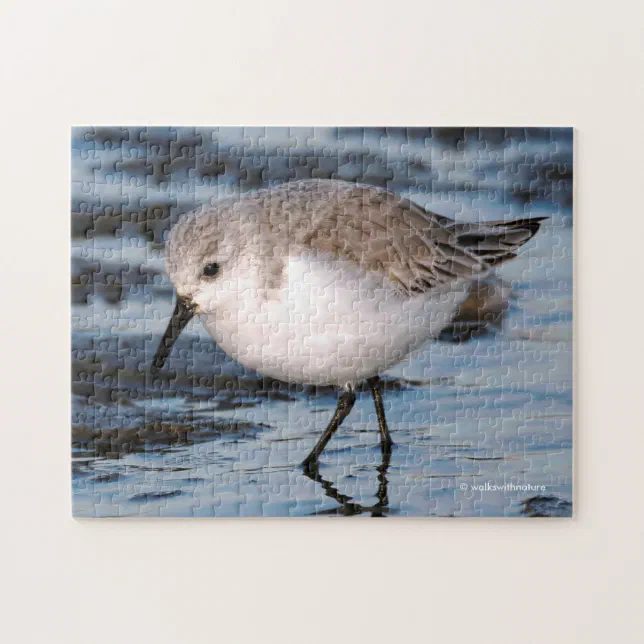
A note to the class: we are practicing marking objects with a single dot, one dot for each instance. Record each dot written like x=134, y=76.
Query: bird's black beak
x=184, y=311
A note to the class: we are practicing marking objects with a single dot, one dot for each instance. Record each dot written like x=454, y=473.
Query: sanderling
x=327, y=283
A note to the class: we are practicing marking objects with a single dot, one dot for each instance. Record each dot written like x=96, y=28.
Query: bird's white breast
x=329, y=323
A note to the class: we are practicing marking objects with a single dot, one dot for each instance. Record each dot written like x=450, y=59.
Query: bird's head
x=201, y=261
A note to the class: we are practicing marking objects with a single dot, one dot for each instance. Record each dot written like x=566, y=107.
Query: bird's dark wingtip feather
x=518, y=223
x=530, y=224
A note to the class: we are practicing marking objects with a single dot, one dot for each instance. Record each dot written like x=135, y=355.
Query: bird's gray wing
x=415, y=249
x=378, y=231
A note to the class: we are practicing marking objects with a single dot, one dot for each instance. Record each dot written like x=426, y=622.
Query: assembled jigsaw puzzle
x=290, y=321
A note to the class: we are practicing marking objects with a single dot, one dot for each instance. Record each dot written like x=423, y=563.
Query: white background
x=300, y=63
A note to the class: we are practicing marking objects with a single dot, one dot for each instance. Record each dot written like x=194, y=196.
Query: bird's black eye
x=210, y=270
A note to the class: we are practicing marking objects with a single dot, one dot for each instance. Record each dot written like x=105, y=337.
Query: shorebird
x=326, y=282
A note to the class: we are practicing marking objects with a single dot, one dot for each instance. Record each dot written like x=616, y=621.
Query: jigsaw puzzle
x=286, y=321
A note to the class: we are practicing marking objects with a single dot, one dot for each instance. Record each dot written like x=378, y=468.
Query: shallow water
x=481, y=427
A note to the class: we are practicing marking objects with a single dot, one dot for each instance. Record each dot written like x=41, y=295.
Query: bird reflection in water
x=348, y=507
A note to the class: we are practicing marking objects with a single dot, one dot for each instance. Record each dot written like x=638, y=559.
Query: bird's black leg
x=385, y=439
x=345, y=404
